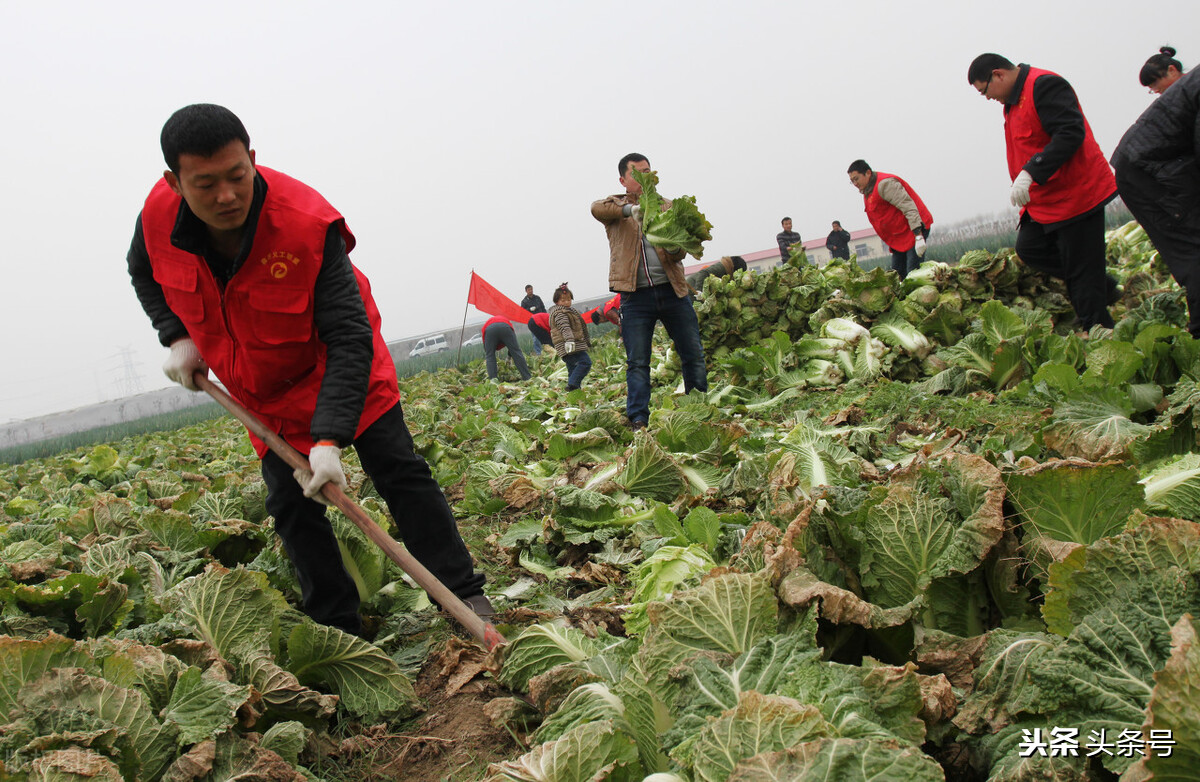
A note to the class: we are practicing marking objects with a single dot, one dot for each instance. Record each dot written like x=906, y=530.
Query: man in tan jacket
x=653, y=289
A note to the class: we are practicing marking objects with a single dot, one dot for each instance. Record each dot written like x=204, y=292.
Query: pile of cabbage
x=849, y=324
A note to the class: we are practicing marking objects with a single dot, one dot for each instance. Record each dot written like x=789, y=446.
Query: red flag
x=487, y=299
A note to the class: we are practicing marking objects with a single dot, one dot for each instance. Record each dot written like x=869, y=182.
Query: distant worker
x=247, y=271
x=1158, y=174
x=896, y=213
x=531, y=302
x=570, y=336
x=838, y=242
x=786, y=238
x=609, y=312
x=1161, y=71
x=498, y=333
x=1060, y=180
x=722, y=268
x=539, y=328
x=533, y=305
x=652, y=287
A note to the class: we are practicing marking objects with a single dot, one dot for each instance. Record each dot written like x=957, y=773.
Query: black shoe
x=481, y=606
x=572, y=388
x=637, y=425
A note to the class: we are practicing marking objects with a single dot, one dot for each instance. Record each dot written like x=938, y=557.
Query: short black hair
x=859, y=166
x=200, y=129
x=983, y=65
x=528, y=287
x=562, y=290
x=1156, y=67
x=632, y=157
x=837, y=222
x=784, y=220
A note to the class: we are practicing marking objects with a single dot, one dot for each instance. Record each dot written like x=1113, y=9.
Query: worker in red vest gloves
x=246, y=271
x=896, y=213
x=1060, y=180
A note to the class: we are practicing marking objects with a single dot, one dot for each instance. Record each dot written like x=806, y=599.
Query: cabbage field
x=915, y=530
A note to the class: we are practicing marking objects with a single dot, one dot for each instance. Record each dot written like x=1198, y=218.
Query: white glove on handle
x=1019, y=195
x=326, y=464
x=919, y=246
x=183, y=361
x=569, y=347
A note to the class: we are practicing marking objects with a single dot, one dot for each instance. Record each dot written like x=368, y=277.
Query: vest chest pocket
x=180, y=286
x=278, y=316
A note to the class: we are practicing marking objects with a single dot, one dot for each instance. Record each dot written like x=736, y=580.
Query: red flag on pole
x=487, y=299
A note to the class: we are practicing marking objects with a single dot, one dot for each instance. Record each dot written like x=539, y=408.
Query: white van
x=429, y=345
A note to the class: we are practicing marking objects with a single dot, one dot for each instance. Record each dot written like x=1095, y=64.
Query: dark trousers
x=578, y=364
x=1176, y=241
x=905, y=261
x=423, y=518
x=641, y=310
x=1075, y=254
x=501, y=335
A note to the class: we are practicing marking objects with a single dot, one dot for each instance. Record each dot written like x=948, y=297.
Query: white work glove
x=569, y=347
x=326, y=464
x=919, y=246
x=183, y=361
x=1019, y=195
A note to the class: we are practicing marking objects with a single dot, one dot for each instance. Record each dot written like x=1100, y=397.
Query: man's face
x=860, y=181
x=528, y=290
x=787, y=225
x=631, y=185
x=997, y=86
x=837, y=226
x=218, y=189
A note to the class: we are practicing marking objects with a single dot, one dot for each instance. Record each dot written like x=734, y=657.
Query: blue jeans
x=578, y=365
x=641, y=310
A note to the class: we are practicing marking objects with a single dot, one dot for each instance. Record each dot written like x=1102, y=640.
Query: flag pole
x=463, y=330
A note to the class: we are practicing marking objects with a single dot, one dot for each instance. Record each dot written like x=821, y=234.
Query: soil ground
x=453, y=740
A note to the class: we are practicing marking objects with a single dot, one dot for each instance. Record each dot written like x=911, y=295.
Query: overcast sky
x=474, y=135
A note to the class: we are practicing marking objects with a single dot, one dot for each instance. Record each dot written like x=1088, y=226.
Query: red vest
x=258, y=334
x=541, y=320
x=888, y=221
x=1082, y=183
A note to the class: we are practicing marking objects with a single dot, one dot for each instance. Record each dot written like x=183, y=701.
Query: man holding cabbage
x=648, y=238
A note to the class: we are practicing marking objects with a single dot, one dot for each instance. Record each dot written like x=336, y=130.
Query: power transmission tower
x=129, y=380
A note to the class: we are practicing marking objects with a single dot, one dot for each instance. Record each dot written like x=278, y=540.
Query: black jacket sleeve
x=149, y=292
x=1058, y=111
x=341, y=320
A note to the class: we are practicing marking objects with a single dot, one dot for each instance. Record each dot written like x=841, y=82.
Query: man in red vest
x=246, y=271
x=1060, y=180
x=896, y=213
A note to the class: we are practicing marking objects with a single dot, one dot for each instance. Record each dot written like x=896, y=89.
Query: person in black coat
x=838, y=242
x=1158, y=177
